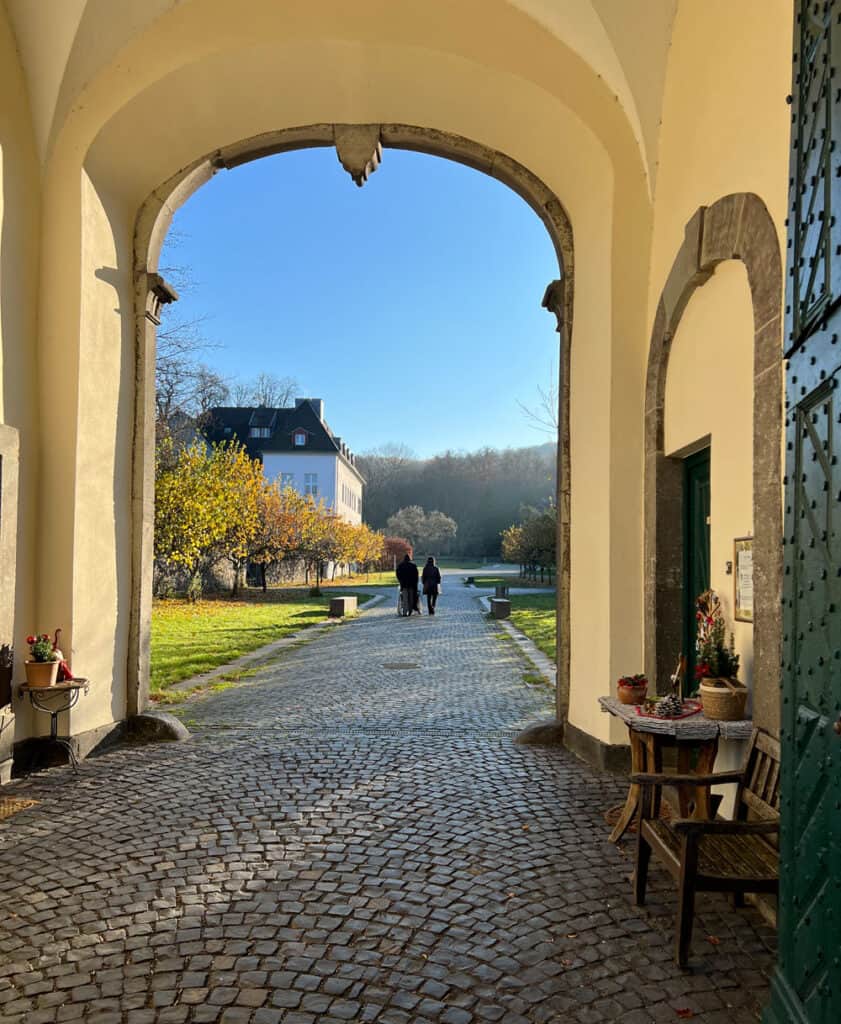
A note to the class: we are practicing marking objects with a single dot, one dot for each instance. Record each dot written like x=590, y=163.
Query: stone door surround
x=735, y=227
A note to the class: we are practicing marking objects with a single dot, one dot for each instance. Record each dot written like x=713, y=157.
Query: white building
x=297, y=448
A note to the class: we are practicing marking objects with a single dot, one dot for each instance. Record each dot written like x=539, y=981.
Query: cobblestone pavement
x=347, y=841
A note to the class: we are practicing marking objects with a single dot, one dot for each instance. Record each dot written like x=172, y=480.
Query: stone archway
x=359, y=148
x=735, y=227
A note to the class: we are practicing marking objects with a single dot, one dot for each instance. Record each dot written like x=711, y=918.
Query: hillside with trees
x=483, y=491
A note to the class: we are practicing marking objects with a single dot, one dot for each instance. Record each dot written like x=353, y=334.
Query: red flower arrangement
x=41, y=648
x=633, y=682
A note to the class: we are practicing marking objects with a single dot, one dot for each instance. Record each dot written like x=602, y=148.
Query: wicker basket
x=725, y=702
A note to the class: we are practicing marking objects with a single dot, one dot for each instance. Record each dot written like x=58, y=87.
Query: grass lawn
x=373, y=579
x=509, y=581
x=191, y=638
x=534, y=615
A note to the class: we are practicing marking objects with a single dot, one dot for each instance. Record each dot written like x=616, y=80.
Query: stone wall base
x=7, y=743
x=607, y=757
x=40, y=752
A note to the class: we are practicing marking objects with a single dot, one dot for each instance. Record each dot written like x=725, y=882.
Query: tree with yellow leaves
x=207, y=507
x=279, y=537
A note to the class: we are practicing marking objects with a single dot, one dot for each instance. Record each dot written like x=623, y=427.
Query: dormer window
x=299, y=438
x=260, y=432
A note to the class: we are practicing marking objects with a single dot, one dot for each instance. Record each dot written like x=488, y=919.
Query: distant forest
x=484, y=491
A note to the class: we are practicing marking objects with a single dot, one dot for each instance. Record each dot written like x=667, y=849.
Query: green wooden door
x=807, y=984
x=696, y=549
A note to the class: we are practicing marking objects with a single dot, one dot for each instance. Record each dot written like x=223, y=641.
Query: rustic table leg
x=654, y=763
x=684, y=762
x=707, y=751
x=632, y=801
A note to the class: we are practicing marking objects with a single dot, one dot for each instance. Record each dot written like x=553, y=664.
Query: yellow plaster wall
x=19, y=368
x=102, y=527
x=725, y=121
x=709, y=392
x=724, y=129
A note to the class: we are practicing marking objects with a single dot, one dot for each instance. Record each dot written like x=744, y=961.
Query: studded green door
x=807, y=984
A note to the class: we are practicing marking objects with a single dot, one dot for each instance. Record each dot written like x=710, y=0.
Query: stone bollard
x=342, y=606
x=502, y=590
x=500, y=608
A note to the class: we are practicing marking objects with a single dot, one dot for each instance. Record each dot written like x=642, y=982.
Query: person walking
x=407, y=577
x=431, y=579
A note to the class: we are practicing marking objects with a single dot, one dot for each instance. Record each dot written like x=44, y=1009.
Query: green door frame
x=696, y=549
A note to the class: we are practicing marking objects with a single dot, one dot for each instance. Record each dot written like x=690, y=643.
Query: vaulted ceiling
x=65, y=45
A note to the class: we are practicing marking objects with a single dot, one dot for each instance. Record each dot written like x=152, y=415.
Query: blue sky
x=411, y=306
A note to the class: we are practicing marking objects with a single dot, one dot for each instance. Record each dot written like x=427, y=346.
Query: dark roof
x=233, y=423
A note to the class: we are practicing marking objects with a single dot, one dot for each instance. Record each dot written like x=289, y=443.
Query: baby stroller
x=405, y=605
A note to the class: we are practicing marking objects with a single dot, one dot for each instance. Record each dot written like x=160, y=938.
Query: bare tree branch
x=544, y=415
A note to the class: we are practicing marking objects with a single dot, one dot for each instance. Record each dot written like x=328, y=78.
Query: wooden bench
x=735, y=856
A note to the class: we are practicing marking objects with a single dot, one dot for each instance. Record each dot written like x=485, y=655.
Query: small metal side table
x=43, y=698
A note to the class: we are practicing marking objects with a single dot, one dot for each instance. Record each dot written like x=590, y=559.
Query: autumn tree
x=512, y=545
x=368, y=547
x=187, y=522
x=312, y=537
x=427, y=529
x=532, y=543
x=277, y=538
x=395, y=550
x=408, y=522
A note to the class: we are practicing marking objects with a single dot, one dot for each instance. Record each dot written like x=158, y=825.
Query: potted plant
x=723, y=697
x=42, y=665
x=631, y=689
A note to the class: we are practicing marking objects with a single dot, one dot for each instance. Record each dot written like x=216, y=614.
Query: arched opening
x=358, y=148
x=736, y=227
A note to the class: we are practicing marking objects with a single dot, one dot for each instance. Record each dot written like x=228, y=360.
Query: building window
x=300, y=438
x=311, y=484
x=287, y=480
x=260, y=432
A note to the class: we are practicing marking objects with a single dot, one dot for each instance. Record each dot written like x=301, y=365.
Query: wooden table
x=648, y=737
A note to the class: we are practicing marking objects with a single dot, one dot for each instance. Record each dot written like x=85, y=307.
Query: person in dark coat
x=431, y=579
x=407, y=576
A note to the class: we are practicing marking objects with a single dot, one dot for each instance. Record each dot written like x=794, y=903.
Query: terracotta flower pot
x=41, y=673
x=631, y=694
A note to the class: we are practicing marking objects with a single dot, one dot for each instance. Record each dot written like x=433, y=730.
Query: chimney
x=316, y=403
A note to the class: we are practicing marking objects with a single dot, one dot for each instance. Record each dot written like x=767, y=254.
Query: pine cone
x=668, y=707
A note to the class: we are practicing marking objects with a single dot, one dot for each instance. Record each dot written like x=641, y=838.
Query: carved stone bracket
x=553, y=301
x=159, y=294
x=359, y=149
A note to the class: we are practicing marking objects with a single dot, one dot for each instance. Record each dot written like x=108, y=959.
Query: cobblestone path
x=348, y=838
